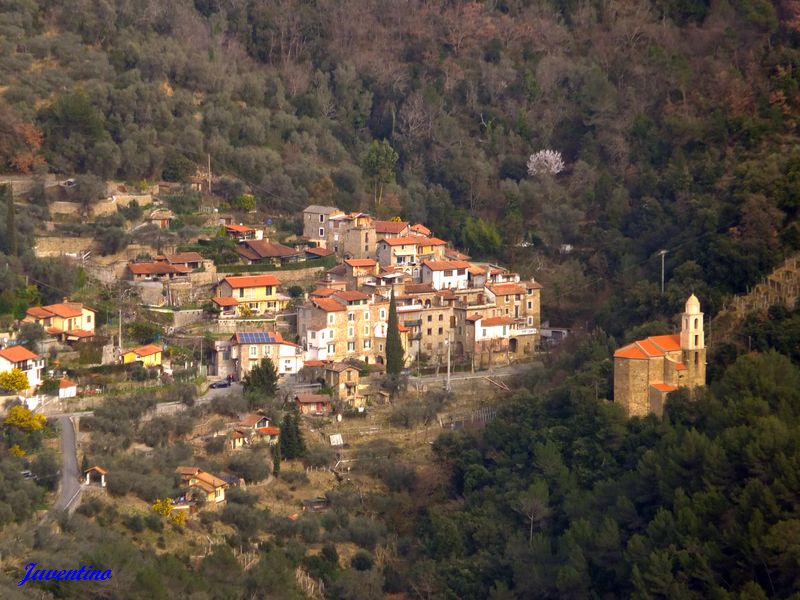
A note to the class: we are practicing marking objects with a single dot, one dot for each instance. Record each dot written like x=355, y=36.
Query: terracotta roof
x=432, y=241
x=65, y=310
x=211, y=479
x=314, y=363
x=312, y=398
x=476, y=270
x=147, y=350
x=79, y=333
x=533, y=285
x=328, y=304
x=246, y=281
x=264, y=249
x=663, y=387
x=319, y=251
x=323, y=292
x=238, y=228
x=157, y=268
x=445, y=265
x=495, y=321
x=269, y=430
x=394, y=227
x=505, y=289
x=360, y=262
x=96, y=469
x=351, y=296
x=183, y=257
x=17, y=354
x=224, y=301
x=680, y=366
x=650, y=347
x=251, y=420
x=474, y=317
x=420, y=229
x=66, y=383
x=667, y=343
x=631, y=351
x=38, y=312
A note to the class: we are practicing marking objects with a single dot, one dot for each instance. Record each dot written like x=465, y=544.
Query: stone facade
x=646, y=371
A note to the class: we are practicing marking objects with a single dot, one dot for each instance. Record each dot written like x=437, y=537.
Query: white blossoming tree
x=545, y=161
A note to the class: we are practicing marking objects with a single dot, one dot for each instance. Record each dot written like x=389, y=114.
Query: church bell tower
x=693, y=343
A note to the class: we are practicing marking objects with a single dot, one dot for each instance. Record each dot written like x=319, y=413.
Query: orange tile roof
x=17, y=354
x=667, y=343
x=147, y=350
x=269, y=430
x=360, y=262
x=328, y=304
x=66, y=383
x=506, y=289
x=445, y=265
x=38, y=312
x=495, y=321
x=239, y=228
x=65, y=310
x=251, y=420
x=649, y=348
x=79, y=333
x=680, y=367
x=351, y=296
x=323, y=292
x=183, y=257
x=420, y=229
x=533, y=285
x=389, y=226
x=630, y=351
x=432, y=241
x=319, y=251
x=312, y=398
x=246, y=281
x=225, y=301
x=663, y=387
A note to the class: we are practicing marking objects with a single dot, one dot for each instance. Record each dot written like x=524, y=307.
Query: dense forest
x=676, y=121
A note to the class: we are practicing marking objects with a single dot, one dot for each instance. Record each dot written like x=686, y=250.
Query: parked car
x=220, y=384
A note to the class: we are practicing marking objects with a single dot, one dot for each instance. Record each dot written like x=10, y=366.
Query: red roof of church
x=664, y=387
x=650, y=347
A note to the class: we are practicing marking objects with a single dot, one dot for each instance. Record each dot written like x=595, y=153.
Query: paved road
x=70, y=477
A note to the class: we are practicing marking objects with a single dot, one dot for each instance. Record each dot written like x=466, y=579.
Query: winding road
x=70, y=488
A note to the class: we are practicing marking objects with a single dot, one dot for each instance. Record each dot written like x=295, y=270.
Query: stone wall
x=59, y=246
x=631, y=385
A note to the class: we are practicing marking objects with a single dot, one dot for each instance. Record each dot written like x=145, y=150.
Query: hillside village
x=313, y=298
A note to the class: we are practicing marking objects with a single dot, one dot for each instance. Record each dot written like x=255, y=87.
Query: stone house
x=267, y=253
x=446, y=274
x=248, y=349
x=198, y=483
x=314, y=404
x=316, y=223
x=343, y=379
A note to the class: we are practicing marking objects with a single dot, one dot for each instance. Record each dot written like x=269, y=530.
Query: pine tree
x=394, y=347
x=262, y=379
x=276, y=460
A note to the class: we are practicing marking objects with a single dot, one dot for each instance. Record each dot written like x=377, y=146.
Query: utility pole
x=447, y=385
x=209, y=172
x=120, y=332
x=662, y=253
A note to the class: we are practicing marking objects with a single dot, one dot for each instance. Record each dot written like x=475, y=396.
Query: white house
x=67, y=389
x=18, y=357
x=249, y=349
x=446, y=274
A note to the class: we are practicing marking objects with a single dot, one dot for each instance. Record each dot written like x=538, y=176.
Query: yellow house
x=68, y=321
x=149, y=355
x=256, y=294
x=206, y=485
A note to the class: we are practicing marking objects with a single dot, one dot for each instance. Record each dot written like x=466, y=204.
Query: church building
x=649, y=369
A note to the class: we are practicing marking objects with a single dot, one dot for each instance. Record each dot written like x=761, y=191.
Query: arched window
x=696, y=321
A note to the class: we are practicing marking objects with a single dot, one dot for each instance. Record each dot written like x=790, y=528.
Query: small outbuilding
x=95, y=475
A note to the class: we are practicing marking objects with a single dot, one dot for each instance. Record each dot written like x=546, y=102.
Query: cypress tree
x=300, y=443
x=394, y=347
x=288, y=441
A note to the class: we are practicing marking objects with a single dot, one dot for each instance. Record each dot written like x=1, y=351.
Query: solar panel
x=259, y=337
